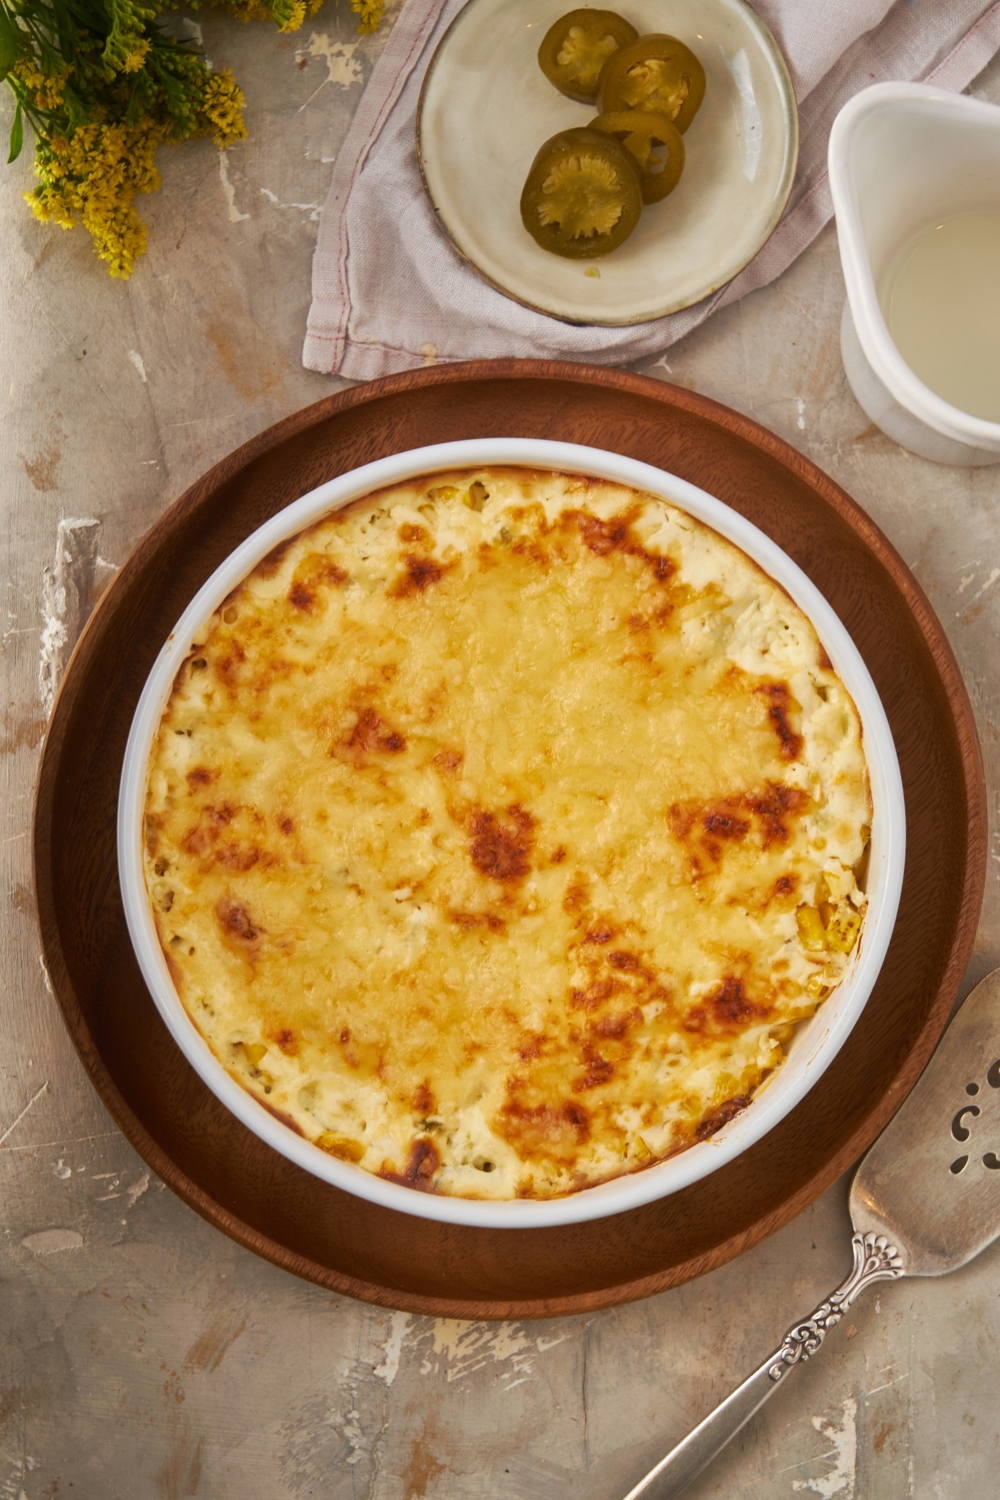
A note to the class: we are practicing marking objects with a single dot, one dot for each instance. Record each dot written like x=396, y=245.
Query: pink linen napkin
x=389, y=291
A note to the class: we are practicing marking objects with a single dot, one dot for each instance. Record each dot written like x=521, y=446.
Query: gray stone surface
x=141, y=1353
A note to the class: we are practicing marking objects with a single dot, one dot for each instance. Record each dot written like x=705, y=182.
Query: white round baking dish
x=817, y=1042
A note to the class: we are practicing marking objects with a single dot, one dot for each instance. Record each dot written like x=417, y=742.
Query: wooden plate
x=354, y=1247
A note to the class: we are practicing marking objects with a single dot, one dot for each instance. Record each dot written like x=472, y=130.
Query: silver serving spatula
x=925, y=1200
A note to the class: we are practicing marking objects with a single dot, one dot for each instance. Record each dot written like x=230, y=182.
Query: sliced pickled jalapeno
x=656, y=145
x=656, y=73
x=582, y=197
x=575, y=49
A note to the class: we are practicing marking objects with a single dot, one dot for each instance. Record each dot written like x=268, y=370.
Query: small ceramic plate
x=486, y=108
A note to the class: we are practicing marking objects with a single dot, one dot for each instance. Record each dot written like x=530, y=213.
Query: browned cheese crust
x=501, y=828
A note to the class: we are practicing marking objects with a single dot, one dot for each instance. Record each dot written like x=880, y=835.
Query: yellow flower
x=221, y=106
x=127, y=45
x=47, y=88
x=287, y=15
x=133, y=60
x=295, y=18
x=93, y=178
x=370, y=13
x=250, y=10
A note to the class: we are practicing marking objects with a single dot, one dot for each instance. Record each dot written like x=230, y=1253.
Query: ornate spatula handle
x=875, y=1259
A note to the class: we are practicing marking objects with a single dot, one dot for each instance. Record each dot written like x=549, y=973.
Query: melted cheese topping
x=501, y=827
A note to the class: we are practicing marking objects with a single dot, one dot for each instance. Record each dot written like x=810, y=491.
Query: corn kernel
x=341, y=1146
x=812, y=933
x=844, y=926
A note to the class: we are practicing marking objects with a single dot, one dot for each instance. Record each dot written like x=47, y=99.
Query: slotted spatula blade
x=931, y=1182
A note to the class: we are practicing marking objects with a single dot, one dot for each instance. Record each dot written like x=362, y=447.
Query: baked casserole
x=500, y=829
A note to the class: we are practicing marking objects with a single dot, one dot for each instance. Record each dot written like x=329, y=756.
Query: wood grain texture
x=354, y=1247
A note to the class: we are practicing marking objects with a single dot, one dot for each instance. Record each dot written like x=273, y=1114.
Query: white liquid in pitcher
x=941, y=302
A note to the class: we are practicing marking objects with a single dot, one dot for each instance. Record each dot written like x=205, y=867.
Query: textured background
x=141, y=1353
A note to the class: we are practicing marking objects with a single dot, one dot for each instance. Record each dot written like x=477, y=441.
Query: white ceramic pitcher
x=902, y=154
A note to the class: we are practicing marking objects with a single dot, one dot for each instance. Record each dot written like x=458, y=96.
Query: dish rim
x=829, y=1028
x=790, y=110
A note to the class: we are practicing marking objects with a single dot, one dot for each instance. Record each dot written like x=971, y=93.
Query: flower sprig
x=370, y=13
x=103, y=86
